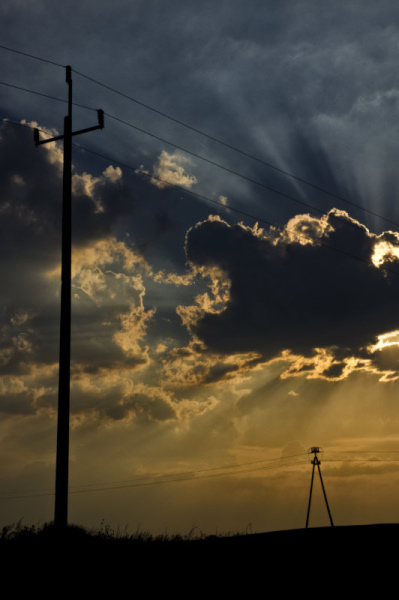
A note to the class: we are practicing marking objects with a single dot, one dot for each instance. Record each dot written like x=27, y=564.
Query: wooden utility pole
x=62, y=460
x=316, y=462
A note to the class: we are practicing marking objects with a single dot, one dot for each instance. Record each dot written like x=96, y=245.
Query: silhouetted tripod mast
x=316, y=462
x=61, y=473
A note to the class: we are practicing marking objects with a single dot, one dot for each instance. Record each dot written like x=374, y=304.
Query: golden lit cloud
x=386, y=340
x=133, y=330
x=174, y=278
x=87, y=185
x=171, y=169
x=112, y=173
x=193, y=365
x=55, y=153
x=214, y=301
x=305, y=229
x=100, y=254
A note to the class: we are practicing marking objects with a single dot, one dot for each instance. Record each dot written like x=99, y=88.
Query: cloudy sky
x=227, y=316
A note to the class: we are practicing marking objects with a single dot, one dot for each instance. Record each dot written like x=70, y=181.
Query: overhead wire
x=362, y=460
x=212, y=162
x=174, y=474
x=9, y=122
x=200, y=132
x=228, y=208
x=226, y=144
x=231, y=147
x=201, y=196
x=45, y=60
x=360, y=451
x=248, y=155
x=219, y=468
x=245, y=177
x=23, y=89
x=163, y=482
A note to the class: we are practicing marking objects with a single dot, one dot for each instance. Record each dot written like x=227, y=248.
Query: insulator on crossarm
x=100, y=115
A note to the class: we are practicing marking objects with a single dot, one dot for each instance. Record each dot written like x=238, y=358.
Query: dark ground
x=320, y=561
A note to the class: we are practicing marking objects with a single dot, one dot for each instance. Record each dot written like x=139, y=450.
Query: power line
x=160, y=480
x=191, y=472
x=9, y=122
x=219, y=166
x=192, y=478
x=200, y=132
x=231, y=147
x=362, y=460
x=120, y=487
x=178, y=474
x=237, y=210
x=231, y=208
x=244, y=213
x=51, y=62
x=17, y=87
x=245, y=177
x=360, y=451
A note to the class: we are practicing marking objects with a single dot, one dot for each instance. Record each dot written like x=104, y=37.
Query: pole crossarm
x=39, y=142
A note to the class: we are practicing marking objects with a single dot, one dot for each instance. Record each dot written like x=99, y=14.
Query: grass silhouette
x=104, y=560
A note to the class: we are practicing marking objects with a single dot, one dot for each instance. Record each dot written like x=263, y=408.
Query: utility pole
x=62, y=460
x=316, y=462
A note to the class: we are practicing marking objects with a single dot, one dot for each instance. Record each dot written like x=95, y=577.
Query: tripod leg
x=325, y=495
x=310, y=496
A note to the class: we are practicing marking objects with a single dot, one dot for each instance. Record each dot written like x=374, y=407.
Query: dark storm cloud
x=31, y=195
x=144, y=407
x=113, y=403
x=281, y=81
x=105, y=201
x=334, y=371
x=30, y=217
x=287, y=295
x=108, y=319
x=309, y=85
x=386, y=359
x=224, y=69
x=30, y=209
x=160, y=226
x=100, y=399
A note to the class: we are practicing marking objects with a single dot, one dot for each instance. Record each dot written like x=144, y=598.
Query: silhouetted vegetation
x=107, y=558
x=17, y=533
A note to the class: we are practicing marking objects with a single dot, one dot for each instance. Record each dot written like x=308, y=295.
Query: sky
x=235, y=271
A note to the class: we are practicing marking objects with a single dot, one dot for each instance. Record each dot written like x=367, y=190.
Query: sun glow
x=385, y=340
x=384, y=251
